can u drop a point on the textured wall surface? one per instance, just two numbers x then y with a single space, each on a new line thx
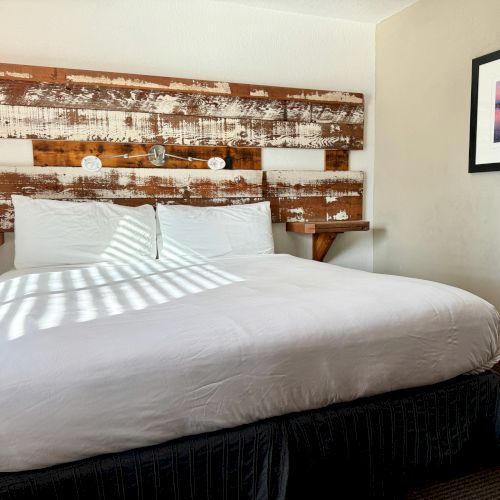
205 40
433 219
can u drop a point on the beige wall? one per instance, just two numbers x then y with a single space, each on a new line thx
434 220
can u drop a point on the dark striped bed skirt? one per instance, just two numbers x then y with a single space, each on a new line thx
371 448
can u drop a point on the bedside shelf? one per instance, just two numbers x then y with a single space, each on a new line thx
324 233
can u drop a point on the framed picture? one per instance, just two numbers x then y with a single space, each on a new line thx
484 146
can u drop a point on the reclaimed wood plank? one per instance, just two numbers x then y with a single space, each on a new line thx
66 184
70 154
336 159
314 227
320 195
292 184
25 122
298 196
315 207
19 93
66 76
64 104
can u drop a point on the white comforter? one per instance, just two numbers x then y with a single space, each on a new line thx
107 358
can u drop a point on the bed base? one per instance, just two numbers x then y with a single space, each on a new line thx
373 447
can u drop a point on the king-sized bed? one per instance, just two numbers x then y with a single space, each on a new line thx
153 346
179 359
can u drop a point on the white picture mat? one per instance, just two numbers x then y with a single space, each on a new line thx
487 151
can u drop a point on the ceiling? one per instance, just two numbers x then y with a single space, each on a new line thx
367 11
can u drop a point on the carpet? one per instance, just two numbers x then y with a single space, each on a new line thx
481 485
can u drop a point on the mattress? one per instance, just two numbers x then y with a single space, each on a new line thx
107 358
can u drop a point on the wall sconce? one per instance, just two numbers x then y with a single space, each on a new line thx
157 155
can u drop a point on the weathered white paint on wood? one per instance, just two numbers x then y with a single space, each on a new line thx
311 177
214 87
328 96
291 184
17 93
26 122
15 74
181 178
61 183
66 76
259 93
117 107
294 196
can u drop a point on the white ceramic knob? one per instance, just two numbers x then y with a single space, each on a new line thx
91 164
216 163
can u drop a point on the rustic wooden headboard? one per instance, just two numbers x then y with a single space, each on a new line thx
294 196
70 113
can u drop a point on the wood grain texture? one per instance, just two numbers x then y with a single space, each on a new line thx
70 154
62 104
65 76
294 196
18 93
336 159
316 227
25 122
321 243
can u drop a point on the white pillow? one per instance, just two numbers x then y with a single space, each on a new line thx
214 231
52 233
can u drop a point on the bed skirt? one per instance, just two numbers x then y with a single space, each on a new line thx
368 448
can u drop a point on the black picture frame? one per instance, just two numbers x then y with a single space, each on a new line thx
476 64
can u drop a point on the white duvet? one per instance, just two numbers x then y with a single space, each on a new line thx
107 358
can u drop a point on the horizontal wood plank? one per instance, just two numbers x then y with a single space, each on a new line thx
70 154
65 76
24 122
19 93
297 196
317 227
65 184
316 207
292 184
322 195
64 104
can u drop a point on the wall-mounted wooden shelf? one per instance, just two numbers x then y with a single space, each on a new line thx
324 233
